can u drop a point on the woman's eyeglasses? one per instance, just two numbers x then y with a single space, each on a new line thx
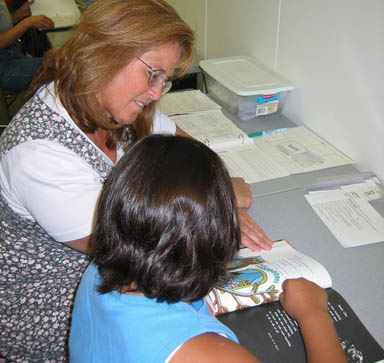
156 77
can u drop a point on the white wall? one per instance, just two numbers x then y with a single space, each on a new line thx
193 13
335 56
332 51
248 37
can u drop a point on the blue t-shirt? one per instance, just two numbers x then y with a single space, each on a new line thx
117 328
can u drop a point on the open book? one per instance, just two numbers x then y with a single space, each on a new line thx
257 277
266 330
270 156
272 336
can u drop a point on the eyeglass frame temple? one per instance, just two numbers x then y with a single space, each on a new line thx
153 72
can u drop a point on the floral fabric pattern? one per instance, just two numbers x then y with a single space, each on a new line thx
39 276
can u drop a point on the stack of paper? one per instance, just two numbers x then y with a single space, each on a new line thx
240 155
185 102
299 150
200 117
345 208
264 156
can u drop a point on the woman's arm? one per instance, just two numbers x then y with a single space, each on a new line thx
81 245
180 132
252 236
52 185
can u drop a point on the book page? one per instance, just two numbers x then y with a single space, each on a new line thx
272 336
249 163
257 278
299 150
213 129
186 102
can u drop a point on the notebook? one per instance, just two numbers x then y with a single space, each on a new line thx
64 13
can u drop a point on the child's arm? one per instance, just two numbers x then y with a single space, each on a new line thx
305 302
308 304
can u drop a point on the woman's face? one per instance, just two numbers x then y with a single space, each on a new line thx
126 95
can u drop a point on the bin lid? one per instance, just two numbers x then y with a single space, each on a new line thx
245 75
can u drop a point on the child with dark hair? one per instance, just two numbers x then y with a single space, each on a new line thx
166 228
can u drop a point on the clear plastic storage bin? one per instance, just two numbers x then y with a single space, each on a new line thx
245 86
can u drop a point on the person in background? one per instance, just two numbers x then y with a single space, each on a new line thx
17 69
166 228
91 100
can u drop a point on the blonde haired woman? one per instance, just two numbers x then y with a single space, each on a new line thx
92 98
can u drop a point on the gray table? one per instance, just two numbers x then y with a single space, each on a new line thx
357 272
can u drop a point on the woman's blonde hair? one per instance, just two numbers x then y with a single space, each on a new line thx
110 34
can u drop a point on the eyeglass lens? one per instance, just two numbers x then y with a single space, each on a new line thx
156 78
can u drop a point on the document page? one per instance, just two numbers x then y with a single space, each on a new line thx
299 150
186 102
274 337
289 263
250 163
237 150
212 128
351 219
345 208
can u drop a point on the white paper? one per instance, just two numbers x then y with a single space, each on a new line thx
261 275
240 155
348 215
64 13
299 150
212 128
251 164
260 158
368 190
186 102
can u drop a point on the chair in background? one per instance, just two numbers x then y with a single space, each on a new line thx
5 115
9 105
33 43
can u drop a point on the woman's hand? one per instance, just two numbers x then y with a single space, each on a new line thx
252 235
242 192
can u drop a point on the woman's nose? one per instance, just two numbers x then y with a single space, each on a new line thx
156 91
